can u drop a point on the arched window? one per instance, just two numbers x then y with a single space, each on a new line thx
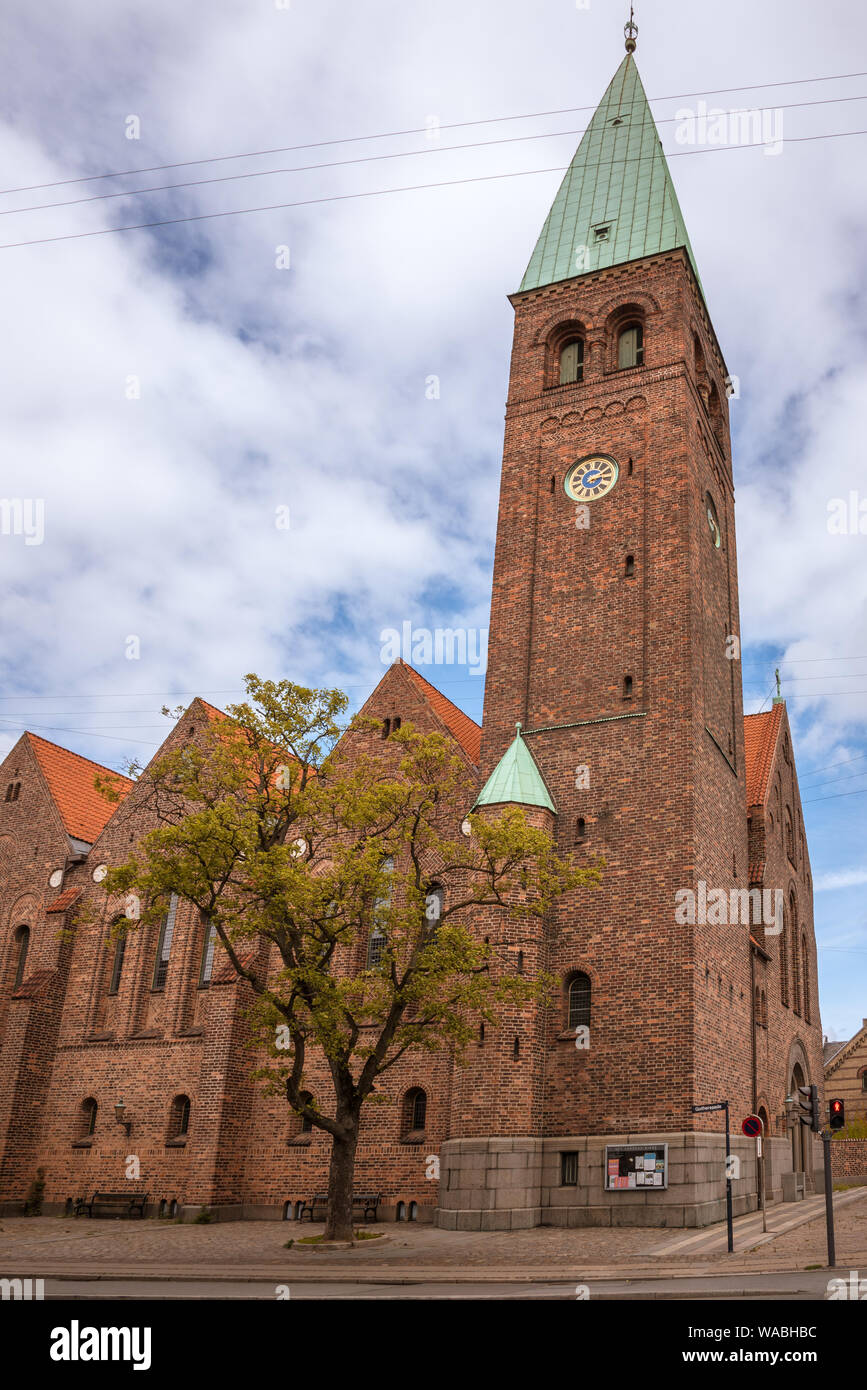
805 977
179 1117
301 1124
764 1010
790 836
377 939
164 945
579 1001
757 1007
580 829
22 943
433 905
87 1117
627 687
795 953
784 960
414 1111
206 968
117 965
572 361
630 346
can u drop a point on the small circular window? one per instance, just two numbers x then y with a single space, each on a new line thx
713 522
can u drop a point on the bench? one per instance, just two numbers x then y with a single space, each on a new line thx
113 1204
365 1202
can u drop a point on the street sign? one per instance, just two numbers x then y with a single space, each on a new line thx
703 1110
752 1126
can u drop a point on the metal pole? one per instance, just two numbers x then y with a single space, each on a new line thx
829 1200
760 1141
729 1184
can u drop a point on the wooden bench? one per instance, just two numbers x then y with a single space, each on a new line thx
365 1202
113 1204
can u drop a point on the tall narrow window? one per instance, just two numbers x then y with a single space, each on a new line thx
572 361
414 1111
164 947
117 965
784 960
805 979
179 1117
206 969
22 943
87 1124
579 1001
627 687
630 565
377 939
630 346
795 954
433 905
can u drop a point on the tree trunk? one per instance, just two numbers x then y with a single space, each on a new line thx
338 1223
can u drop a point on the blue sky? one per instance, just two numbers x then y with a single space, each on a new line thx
261 387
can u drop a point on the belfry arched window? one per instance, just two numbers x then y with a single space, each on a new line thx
630 346
572 361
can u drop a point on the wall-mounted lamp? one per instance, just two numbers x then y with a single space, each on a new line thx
120 1114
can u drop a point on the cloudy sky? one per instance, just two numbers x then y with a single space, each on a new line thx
173 392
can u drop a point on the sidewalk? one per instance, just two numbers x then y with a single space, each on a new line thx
53 1247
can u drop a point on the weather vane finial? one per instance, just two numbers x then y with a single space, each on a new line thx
630 29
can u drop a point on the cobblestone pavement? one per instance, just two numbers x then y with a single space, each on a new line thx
58 1244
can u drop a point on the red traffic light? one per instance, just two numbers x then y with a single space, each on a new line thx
837 1112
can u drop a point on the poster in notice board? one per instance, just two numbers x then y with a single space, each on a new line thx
631 1167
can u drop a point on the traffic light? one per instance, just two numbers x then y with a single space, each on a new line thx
808 1103
837 1112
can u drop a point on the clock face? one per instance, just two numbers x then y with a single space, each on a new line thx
591 477
56 878
713 522
99 873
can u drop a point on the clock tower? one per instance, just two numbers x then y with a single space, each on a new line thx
614 643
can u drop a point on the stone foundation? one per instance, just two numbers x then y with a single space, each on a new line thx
512 1184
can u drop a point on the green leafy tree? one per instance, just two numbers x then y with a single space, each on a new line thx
329 865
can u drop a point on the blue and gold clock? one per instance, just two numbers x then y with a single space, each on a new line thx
591 477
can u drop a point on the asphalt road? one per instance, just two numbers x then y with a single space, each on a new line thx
799 1285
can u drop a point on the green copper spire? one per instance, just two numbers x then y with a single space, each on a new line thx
516 778
617 201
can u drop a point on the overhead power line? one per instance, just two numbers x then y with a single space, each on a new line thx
381 192
343 163
415 130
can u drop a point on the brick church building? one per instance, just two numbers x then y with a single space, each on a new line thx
614 645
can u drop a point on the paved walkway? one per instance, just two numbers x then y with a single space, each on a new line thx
70 1249
747 1230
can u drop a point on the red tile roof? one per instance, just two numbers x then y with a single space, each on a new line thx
760 740
66 899
70 780
466 730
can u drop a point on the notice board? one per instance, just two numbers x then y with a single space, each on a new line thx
635 1166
